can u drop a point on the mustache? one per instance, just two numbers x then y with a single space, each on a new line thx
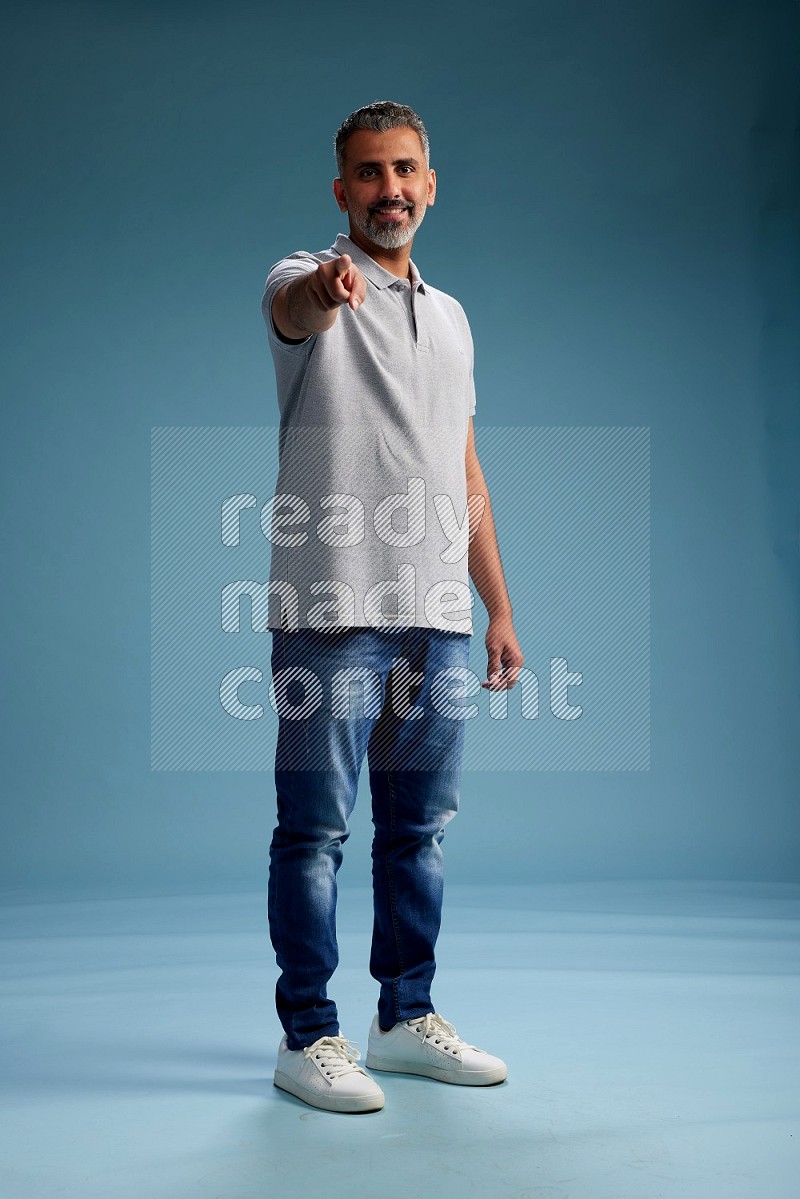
384 207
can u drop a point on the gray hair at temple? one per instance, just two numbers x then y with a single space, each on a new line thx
380 116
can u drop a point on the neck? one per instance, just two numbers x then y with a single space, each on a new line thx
393 261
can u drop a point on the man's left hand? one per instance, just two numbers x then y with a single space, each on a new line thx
504 653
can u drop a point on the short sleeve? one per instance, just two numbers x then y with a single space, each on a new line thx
282 272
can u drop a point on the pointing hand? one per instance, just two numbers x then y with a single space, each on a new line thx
339 282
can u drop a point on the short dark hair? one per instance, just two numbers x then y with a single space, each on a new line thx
380 115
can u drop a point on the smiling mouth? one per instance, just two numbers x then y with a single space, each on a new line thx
390 214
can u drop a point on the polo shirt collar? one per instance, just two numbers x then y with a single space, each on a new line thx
371 269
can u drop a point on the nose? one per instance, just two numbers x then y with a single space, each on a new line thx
390 189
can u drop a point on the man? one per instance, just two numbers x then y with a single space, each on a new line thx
375 388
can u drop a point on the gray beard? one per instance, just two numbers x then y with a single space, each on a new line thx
386 236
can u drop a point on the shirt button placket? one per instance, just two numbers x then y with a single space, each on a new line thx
418 308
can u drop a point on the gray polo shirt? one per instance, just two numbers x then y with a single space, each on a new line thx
368 523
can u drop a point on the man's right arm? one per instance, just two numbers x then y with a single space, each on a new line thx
311 303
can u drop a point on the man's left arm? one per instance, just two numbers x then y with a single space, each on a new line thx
503 650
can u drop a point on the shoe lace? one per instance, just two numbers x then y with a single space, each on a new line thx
335 1055
434 1027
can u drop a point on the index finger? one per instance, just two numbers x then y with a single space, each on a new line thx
352 279
358 289
342 264
345 271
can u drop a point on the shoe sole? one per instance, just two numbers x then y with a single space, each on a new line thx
469 1078
329 1103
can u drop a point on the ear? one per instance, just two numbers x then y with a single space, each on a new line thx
431 188
338 191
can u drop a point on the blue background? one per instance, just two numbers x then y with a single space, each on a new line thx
617 212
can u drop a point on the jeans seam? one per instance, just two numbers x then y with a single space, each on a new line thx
279 898
392 894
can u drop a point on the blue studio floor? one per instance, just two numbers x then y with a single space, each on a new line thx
651 1031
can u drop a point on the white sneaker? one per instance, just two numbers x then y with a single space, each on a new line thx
325 1075
429 1045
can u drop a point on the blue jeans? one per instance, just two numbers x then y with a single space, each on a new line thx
414 754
